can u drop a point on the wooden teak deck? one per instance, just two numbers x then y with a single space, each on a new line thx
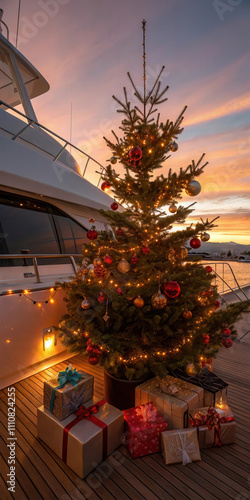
223 473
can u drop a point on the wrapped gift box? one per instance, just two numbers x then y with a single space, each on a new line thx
83 444
180 446
213 431
215 389
77 389
173 407
143 427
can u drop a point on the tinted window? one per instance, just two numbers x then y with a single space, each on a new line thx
71 235
27 224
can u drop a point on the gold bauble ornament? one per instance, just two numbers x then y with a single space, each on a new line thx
158 300
183 252
113 160
97 261
85 304
187 314
171 256
205 237
123 266
91 221
190 370
139 302
172 209
193 188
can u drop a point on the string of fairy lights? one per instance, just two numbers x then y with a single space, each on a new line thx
25 293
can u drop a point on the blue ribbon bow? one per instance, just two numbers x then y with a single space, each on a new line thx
68 375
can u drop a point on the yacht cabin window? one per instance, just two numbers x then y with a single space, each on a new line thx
40 228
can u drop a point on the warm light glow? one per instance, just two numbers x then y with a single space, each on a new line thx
51 301
9 291
39 304
48 342
52 289
26 292
7 341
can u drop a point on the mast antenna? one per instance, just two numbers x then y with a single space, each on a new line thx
18 19
144 64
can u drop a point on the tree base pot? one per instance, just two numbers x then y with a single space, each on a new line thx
119 392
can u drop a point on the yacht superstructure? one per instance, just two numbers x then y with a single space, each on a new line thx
45 207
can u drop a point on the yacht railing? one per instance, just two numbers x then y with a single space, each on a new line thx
58 137
221 279
34 258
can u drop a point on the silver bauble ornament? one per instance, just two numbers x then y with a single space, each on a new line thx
91 268
123 266
113 160
158 300
205 237
193 188
174 146
85 304
190 370
172 209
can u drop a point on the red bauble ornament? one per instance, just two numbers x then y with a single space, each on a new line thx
145 250
105 185
134 259
135 153
108 260
136 163
114 205
119 291
100 271
119 231
206 339
227 343
226 332
216 304
195 243
101 298
92 234
209 361
89 342
96 351
209 269
93 360
171 289
90 349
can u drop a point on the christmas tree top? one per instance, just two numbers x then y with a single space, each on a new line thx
137 304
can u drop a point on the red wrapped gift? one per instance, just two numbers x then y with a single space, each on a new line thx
144 426
213 430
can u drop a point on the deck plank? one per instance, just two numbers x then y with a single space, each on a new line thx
222 474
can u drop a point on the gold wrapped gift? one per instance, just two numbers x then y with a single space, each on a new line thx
173 407
68 397
82 447
180 446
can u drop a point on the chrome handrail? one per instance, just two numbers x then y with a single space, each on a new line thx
34 258
67 143
224 282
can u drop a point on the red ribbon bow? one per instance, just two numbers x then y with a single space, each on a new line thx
83 412
212 420
87 413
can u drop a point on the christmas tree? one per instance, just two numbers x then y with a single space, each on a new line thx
137 304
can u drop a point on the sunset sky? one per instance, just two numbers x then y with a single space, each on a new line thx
85 48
